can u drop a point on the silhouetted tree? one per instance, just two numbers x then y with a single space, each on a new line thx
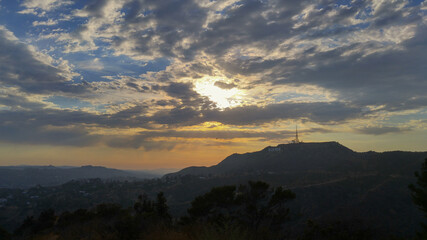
30 226
26 226
254 206
5 235
214 205
143 205
46 220
419 195
353 230
162 208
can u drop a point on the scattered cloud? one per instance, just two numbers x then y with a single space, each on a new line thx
49 22
34 6
31 71
382 130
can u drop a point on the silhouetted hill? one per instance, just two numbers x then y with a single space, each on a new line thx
331 183
301 157
28 176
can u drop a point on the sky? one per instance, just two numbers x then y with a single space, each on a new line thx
145 84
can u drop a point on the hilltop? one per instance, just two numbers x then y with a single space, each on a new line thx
303 157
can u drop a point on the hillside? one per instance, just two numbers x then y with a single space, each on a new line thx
330 180
302 157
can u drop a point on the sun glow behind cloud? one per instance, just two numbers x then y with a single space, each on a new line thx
224 98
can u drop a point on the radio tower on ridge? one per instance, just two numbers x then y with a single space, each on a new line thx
296 140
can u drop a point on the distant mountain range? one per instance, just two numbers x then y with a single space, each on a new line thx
301 157
29 176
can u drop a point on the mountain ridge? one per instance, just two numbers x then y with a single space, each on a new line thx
312 156
29 176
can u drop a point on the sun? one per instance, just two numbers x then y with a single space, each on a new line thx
224 98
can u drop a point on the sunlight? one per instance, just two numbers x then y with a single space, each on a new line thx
223 98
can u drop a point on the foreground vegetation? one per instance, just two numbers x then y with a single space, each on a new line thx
252 211
248 212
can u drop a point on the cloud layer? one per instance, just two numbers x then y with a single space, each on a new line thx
168 70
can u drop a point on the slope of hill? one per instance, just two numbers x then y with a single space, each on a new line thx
28 176
324 156
330 181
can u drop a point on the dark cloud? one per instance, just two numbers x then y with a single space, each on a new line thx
19 102
248 24
201 68
229 134
19 67
66 127
320 112
77 136
225 85
95 7
188 97
28 134
251 65
394 78
72 128
184 116
174 21
183 91
381 130
137 87
138 142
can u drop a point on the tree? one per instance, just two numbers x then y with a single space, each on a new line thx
263 208
143 205
4 234
337 230
255 206
162 208
419 195
153 213
214 205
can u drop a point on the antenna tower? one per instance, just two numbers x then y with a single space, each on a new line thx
296 140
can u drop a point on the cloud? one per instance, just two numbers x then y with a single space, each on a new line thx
138 142
188 98
228 134
49 22
380 130
39 6
60 127
23 67
394 78
319 112
363 51
16 102
224 85
71 136
358 56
